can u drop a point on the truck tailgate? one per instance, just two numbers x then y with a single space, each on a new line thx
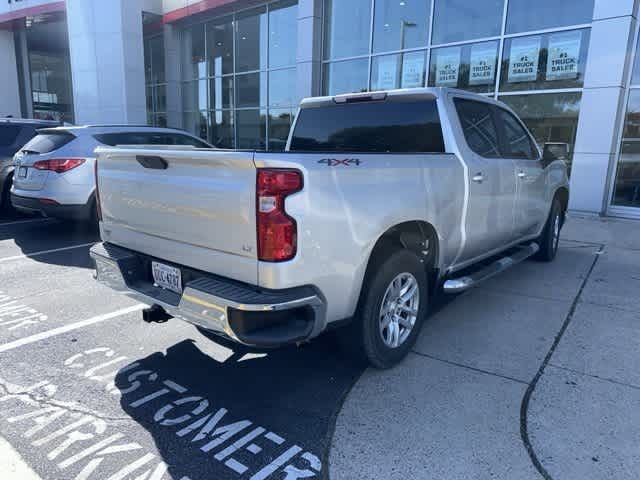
186 206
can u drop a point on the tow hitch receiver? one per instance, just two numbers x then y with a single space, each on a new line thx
155 314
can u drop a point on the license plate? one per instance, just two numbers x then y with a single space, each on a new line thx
167 277
22 172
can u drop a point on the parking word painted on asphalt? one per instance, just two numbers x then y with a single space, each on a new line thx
77 440
16 315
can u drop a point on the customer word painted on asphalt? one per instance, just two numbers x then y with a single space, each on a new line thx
77 439
15 315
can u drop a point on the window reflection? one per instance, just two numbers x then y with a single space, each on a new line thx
220 47
279 126
282 88
251 129
400 24
551 118
193 53
549 61
283 33
627 188
194 95
251 90
459 20
220 93
221 129
398 71
470 67
251 40
347 28
346 77
525 15
196 123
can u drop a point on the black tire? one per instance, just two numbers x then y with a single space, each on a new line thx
550 238
363 338
6 206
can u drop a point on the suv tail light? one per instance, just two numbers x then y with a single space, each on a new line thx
59 165
277 231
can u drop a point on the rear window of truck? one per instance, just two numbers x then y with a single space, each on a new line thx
376 127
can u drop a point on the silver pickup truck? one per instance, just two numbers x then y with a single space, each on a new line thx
380 201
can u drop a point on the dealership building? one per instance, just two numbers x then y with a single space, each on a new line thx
233 71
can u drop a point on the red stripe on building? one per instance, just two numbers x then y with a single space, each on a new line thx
32 11
194 9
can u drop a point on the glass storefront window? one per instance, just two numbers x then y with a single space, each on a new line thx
251 40
398 71
251 90
549 61
194 64
194 95
251 129
635 79
460 20
551 117
470 67
346 77
220 47
279 126
347 28
283 33
526 16
626 191
154 67
221 93
196 123
221 132
400 24
282 88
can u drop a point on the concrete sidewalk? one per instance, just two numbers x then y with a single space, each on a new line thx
534 375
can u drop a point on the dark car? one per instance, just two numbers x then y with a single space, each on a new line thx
14 134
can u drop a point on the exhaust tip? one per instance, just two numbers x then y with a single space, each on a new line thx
155 314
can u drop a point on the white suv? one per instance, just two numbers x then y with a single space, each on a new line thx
54 172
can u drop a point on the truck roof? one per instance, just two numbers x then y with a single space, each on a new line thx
414 93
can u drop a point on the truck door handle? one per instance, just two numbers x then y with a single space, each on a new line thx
522 175
479 178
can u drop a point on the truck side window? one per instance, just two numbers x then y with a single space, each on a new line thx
516 141
370 127
479 127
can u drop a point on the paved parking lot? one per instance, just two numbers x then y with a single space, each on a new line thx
534 375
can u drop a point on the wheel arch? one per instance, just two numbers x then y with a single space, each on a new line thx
417 236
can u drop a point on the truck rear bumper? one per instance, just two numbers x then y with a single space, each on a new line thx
246 314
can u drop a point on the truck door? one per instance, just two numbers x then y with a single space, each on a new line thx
491 179
531 209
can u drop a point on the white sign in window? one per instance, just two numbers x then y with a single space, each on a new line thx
448 67
387 73
524 59
413 70
564 56
482 67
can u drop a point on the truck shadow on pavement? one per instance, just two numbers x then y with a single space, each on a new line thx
260 415
56 238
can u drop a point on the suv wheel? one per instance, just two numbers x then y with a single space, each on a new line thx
392 309
550 238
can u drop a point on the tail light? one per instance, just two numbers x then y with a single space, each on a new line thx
277 231
95 174
59 165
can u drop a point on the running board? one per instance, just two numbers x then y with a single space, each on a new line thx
458 285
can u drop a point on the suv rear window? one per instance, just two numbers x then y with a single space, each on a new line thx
376 126
8 134
149 138
47 142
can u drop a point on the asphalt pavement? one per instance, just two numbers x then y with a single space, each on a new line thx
534 375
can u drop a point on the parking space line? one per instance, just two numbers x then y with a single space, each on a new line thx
45 252
22 222
68 328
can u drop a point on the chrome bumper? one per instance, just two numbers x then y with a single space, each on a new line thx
217 304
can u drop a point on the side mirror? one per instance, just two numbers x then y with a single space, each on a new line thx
555 151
